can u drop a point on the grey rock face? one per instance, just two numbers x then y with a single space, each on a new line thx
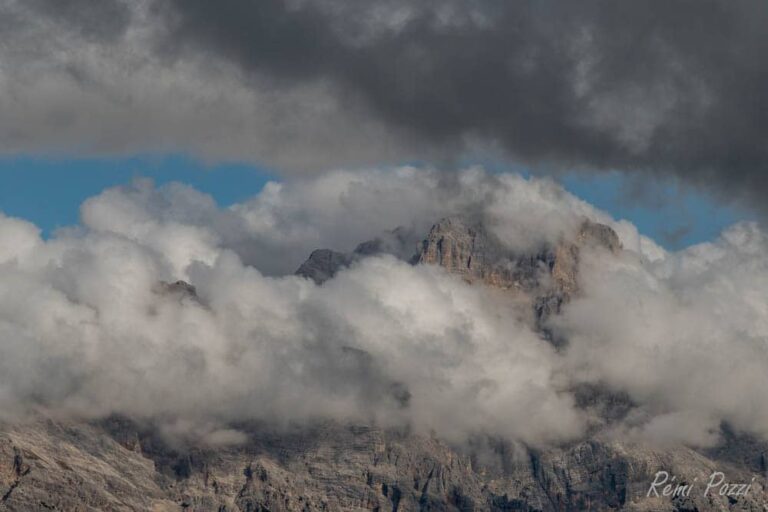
548 277
323 265
329 467
468 250
599 235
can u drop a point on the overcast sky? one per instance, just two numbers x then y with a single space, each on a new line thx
674 87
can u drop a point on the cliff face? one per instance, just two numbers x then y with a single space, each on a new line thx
469 250
548 277
323 264
117 464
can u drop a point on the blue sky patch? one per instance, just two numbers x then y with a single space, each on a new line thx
49 192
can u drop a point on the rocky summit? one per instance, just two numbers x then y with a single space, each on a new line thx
124 464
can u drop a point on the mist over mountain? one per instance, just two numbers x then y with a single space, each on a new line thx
464 306
482 310
89 332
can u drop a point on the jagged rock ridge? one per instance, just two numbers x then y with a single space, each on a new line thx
323 264
117 465
549 275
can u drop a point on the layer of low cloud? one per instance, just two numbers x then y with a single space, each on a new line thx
674 88
86 331
686 335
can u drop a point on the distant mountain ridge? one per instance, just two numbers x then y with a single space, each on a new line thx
548 276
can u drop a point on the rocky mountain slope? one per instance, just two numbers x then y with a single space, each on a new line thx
117 465
120 464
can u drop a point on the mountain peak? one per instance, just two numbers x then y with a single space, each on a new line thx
468 249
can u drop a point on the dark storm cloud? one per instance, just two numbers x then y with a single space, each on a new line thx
677 86
95 19
672 87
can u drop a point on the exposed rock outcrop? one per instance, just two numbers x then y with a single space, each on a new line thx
323 264
329 467
548 276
